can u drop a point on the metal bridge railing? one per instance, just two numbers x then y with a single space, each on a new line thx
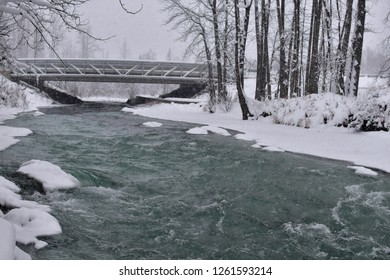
110 70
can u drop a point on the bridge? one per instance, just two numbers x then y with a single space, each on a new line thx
113 71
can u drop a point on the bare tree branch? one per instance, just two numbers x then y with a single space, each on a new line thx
128 11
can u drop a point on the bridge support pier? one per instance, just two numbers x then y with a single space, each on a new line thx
56 94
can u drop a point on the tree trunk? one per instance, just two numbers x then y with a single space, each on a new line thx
283 72
217 43
313 67
266 64
225 48
259 52
294 80
239 62
357 47
342 49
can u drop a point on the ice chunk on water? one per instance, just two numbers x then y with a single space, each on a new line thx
363 170
152 124
51 176
208 128
197 131
273 149
38 113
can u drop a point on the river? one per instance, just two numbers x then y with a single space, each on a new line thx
159 193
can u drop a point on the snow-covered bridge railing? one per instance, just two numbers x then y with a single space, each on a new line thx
113 71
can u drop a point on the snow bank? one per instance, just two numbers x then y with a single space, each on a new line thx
51 176
32 223
13 100
152 124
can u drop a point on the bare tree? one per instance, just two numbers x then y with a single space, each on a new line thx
192 21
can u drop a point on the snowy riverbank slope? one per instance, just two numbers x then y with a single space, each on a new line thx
25 220
322 113
15 99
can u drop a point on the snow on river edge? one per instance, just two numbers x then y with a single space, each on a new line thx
29 220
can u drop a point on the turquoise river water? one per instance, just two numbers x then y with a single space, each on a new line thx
159 193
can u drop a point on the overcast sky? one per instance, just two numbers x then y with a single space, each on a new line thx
146 30
143 31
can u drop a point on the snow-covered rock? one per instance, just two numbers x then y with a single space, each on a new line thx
9 185
10 199
7 240
32 223
51 176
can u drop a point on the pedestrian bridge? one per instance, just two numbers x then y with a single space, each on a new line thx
112 71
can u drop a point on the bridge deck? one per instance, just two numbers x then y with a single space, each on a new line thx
118 71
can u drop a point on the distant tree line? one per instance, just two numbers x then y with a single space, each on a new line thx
303 46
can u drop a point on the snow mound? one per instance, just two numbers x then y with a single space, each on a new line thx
8 134
51 176
152 124
32 223
273 149
208 128
9 185
363 170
